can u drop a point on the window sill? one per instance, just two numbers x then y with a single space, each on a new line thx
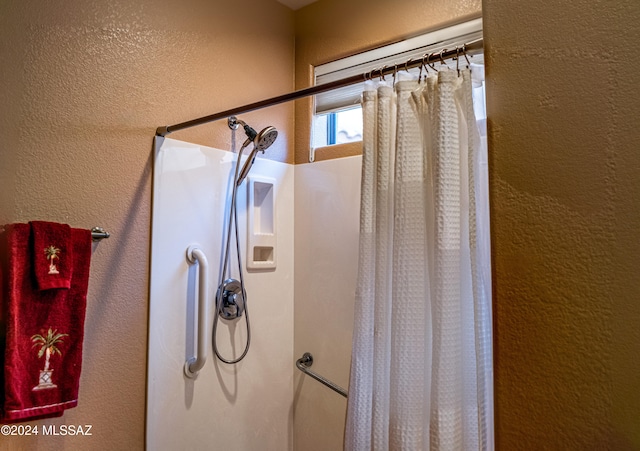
336 151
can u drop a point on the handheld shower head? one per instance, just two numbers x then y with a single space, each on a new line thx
265 138
261 142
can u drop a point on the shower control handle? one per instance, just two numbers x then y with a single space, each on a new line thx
230 299
232 306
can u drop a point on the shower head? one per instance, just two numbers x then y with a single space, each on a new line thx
261 142
265 138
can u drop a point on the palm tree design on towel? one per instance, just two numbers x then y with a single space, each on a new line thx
52 253
47 343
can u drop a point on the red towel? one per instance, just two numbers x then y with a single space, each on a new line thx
43 330
52 254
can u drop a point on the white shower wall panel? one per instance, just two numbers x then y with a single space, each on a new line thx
327 213
243 407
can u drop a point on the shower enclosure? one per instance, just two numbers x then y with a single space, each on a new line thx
262 402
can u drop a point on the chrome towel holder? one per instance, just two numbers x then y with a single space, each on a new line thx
98 233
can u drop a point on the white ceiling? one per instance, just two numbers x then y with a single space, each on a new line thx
296 4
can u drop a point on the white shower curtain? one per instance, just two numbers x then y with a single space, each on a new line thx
421 371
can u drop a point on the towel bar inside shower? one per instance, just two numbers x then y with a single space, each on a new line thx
303 364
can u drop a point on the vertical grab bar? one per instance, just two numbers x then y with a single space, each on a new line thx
194 364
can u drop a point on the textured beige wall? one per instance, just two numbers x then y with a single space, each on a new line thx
84 86
562 93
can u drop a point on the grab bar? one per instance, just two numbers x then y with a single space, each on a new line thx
194 364
303 364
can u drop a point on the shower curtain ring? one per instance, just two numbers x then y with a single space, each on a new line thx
425 65
441 59
432 65
464 52
382 73
369 75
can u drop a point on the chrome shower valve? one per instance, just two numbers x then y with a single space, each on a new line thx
230 300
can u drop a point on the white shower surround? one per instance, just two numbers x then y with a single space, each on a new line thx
234 407
251 405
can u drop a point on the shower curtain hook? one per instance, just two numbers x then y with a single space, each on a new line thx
441 59
395 72
425 57
457 61
464 52
382 73
432 65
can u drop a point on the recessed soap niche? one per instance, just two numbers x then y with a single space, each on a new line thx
261 240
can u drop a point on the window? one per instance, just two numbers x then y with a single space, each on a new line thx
338 117
337 127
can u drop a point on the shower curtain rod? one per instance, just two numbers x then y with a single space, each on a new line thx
468 48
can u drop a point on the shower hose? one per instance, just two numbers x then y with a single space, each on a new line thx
225 271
